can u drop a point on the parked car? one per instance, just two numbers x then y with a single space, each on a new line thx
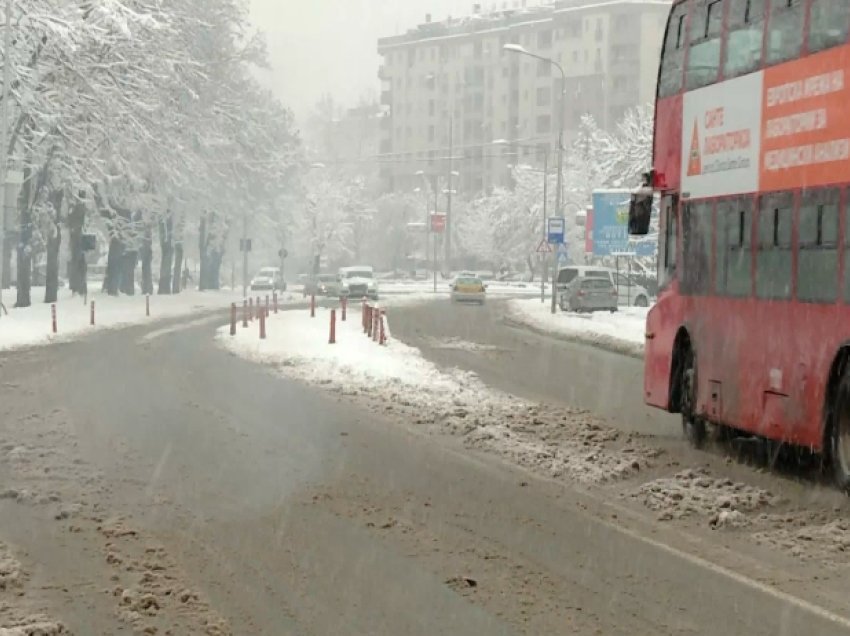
629 292
589 294
269 279
357 281
322 285
468 289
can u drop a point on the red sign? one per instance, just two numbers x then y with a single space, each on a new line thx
438 223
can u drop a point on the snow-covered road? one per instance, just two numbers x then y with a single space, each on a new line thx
622 331
32 325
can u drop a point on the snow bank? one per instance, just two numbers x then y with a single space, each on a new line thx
396 380
31 325
622 332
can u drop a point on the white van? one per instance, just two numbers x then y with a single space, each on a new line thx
629 292
357 282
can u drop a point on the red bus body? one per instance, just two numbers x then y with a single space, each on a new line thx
765 359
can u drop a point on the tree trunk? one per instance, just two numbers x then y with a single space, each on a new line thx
6 249
54 241
166 243
203 256
128 272
77 266
114 265
178 268
147 256
24 281
530 263
214 267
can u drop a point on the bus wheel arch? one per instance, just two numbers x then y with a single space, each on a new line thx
682 347
837 401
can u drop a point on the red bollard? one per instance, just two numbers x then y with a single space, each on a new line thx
232 319
332 338
313 306
147 305
344 302
53 317
259 308
267 305
251 309
244 313
369 320
376 313
274 299
91 314
262 325
363 314
382 338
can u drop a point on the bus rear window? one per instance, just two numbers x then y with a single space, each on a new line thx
828 23
785 30
746 32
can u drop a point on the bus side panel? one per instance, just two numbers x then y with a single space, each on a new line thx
662 324
667 148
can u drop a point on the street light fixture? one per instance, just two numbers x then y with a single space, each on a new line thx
520 50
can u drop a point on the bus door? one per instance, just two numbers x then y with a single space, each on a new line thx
663 320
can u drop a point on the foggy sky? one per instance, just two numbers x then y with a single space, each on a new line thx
329 46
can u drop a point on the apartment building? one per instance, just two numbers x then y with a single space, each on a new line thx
451 84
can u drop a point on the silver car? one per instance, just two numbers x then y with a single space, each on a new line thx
589 294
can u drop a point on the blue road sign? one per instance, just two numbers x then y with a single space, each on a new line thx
556 230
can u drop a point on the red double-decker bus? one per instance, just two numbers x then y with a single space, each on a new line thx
751 161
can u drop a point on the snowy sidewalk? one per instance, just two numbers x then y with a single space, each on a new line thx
622 332
32 325
397 380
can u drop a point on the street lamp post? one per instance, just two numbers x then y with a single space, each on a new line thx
544 257
519 49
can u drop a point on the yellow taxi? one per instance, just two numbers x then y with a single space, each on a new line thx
468 289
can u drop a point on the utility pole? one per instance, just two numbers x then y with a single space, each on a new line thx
244 255
559 211
4 140
449 203
544 258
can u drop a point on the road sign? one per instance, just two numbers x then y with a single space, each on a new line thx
244 245
563 256
543 247
283 253
438 223
556 229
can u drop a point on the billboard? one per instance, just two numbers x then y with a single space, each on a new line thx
780 128
610 226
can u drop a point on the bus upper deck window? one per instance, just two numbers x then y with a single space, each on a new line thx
745 34
828 24
673 55
785 30
704 54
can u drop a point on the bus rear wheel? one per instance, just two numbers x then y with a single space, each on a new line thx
839 443
692 425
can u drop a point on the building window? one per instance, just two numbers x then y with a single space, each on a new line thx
696 247
432 107
732 269
673 55
543 124
745 35
544 96
828 23
773 252
544 39
431 133
817 262
575 57
573 28
704 55
785 30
